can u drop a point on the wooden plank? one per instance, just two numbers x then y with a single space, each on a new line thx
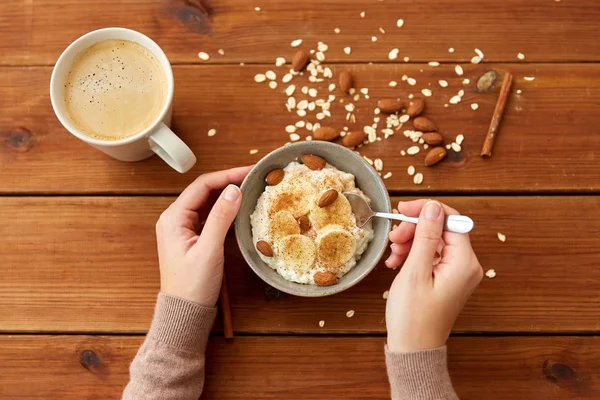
88 264
542 29
548 141
495 368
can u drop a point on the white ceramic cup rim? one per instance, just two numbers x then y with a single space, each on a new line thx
115 33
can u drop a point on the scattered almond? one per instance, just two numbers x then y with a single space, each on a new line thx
433 138
300 60
274 177
304 223
265 248
415 108
313 162
434 156
325 279
354 138
326 133
328 198
423 124
346 81
390 106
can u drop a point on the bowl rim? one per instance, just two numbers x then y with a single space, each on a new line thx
332 289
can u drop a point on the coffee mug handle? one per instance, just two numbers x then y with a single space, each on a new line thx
171 149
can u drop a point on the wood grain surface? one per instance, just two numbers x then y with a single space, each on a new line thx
88 264
548 140
84 367
544 30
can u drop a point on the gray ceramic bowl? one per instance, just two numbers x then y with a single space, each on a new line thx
343 159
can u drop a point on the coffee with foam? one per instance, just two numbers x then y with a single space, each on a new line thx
115 89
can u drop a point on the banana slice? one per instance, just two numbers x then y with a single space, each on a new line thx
297 251
283 224
337 213
335 247
295 196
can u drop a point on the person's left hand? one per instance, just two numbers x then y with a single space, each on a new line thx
191 265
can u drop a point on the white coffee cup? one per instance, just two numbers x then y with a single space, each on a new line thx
156 138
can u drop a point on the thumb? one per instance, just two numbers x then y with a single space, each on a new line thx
427 237
220 218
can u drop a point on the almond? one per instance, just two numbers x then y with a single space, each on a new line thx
265 248
313 162
353 139
325 278
326 133
434 156
390 106
346 81
432 138
328 198
300 60
304 223
415 108
423 124
274 177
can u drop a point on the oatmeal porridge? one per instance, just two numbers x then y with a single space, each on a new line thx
303 225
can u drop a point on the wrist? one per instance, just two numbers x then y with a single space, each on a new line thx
400 344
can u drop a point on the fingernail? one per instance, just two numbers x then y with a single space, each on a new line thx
432 210
232 193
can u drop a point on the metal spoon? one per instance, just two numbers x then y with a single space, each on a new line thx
363 213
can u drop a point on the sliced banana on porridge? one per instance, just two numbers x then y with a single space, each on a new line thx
297 251
335 247
294 196
283 224
337 213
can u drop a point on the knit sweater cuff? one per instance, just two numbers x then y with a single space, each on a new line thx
419 375
181 323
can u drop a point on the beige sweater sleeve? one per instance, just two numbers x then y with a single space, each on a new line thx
420 375
170 362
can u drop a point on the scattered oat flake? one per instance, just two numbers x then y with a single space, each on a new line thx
221 52
387 175
459 70
466 81
286 78
443 83
347 50
413 150
451 50
386 294
373 38
474 106
260 78
400 23
461 92
490 273
382 30
378 164
519 91
393 84
290 90
321 323
418 179
529 78
434 64
475 60
454 100
456 147
406 59
350 313
290 129
296 43
256 8
393 54
412 81
402 152
337 30
521 56
426 92
271 75
253 151
203 56
294 137
279 61
404 118
501 237
479 53
273 85
460 138
212 132
362 14
411 170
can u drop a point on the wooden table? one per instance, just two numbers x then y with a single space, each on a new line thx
77 246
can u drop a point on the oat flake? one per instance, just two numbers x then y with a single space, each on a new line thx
490 273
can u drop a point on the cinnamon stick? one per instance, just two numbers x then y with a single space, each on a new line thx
226 309
488 144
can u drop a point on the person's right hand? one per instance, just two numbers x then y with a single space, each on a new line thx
429 292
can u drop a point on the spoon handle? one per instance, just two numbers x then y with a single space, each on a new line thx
454 223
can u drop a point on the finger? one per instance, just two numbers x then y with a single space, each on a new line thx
219 219
427 237
394 261
458 240
413 208
403 233
401 249
198 192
